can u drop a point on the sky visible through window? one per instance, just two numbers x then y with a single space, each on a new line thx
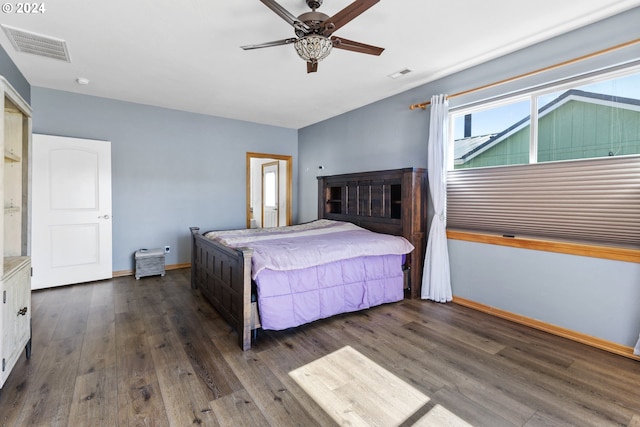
496 120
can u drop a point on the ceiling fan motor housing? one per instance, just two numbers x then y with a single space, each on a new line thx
313 20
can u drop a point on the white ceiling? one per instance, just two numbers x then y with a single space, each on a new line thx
186 55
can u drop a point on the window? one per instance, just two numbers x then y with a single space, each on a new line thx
479 135
560 163
270 189
598 118
595 120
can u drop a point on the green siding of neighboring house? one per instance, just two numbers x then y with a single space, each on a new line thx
575 130
514 150
581 130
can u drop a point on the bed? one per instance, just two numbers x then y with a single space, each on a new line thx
232 267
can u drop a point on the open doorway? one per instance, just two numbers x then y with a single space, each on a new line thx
269 188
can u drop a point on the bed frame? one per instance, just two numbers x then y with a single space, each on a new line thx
390 201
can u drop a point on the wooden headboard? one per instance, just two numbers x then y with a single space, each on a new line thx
389 201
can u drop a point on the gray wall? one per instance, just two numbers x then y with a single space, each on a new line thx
170 169
10 72
591 296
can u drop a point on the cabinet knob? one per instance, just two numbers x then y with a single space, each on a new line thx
22 311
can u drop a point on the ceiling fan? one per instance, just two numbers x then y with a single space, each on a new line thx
314 31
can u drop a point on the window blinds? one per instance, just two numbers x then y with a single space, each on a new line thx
594 200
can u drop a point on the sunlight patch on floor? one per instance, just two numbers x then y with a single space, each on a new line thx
356 391
440 416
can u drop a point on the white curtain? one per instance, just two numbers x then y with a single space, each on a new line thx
636 350
436 279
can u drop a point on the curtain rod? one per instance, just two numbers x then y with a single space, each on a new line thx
424 105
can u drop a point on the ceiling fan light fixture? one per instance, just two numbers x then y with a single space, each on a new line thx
313 48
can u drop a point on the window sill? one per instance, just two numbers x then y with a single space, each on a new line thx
580 249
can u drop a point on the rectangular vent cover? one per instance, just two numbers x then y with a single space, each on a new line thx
400 73
37 44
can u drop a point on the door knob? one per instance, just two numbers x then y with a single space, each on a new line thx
103 217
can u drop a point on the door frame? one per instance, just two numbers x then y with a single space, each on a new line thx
289 183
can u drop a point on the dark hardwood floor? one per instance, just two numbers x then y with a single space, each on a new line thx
152 352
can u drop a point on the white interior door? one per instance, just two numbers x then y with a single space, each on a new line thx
71 230
270 194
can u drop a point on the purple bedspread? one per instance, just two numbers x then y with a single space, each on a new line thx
292 298
315 270
311 244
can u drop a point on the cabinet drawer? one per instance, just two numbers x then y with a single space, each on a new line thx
16 315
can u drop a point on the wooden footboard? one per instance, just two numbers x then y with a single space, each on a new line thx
223 275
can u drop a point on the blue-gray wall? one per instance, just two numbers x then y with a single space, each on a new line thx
592 296
10 72
589 295
170 169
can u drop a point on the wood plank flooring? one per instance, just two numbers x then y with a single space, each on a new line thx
152 352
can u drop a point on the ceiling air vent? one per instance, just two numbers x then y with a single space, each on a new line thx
37 44
400 73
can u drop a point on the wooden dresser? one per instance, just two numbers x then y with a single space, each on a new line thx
388 201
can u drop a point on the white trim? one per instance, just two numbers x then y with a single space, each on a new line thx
533 131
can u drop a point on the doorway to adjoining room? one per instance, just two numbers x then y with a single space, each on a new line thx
269 189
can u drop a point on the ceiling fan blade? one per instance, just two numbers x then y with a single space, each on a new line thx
340 43
286 15
269 44
347 14
312 67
